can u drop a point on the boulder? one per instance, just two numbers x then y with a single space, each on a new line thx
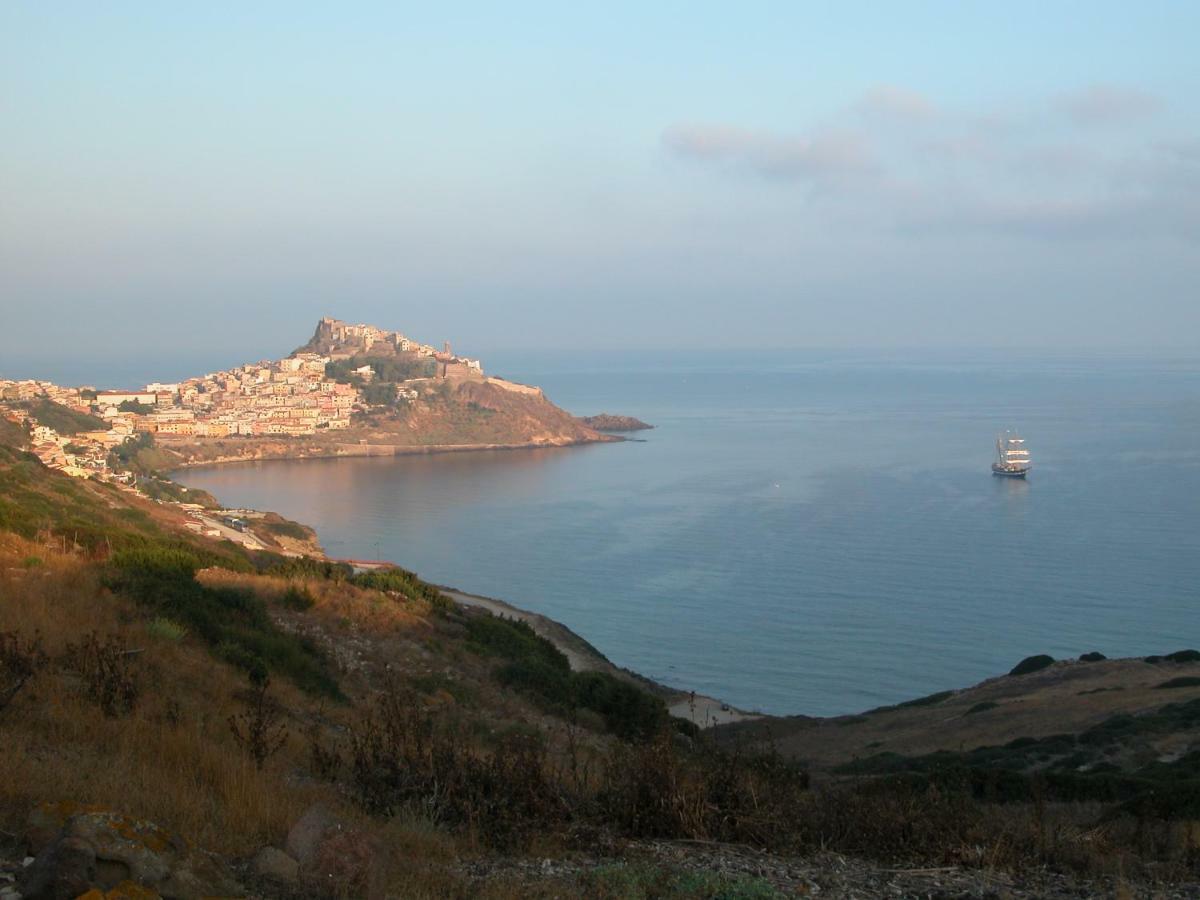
347 863
335 858
306 834
46 820
119 856
64 869
275 865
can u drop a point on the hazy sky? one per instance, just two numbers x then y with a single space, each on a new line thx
218 175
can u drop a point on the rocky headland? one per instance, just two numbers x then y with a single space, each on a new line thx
610 422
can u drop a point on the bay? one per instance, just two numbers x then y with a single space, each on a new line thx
806 533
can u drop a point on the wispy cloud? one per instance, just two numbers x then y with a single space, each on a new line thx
821 157
1006 169
1107 104
891 102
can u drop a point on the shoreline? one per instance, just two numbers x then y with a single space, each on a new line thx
701 710
361 451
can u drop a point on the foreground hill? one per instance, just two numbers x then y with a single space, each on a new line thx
185 717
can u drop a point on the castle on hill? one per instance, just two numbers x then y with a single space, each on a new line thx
341 340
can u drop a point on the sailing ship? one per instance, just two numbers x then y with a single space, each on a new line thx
1014 461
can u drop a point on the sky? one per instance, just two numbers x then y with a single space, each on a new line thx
195 182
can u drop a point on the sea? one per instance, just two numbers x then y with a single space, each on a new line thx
813 533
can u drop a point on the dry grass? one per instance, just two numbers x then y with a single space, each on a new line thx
172 759
369 610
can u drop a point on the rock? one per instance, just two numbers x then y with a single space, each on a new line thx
65 868
122 857
46 820
126 890
348 862
275 865
306 834
334 858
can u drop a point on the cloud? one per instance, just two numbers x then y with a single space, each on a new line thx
896 103
825 156
1105 104
987 169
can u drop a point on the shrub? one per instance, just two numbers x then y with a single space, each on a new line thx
1183 656
629 712
930 700
1181 682
167 629
657 790
540 670
259 729
401 760
1032 664
297 598
20 660
981 707
301 567
108 673
232 621
401 581
287 529
1094 656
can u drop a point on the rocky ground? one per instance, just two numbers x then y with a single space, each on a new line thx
824 875
127 863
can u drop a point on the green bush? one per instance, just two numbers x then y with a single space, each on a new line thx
167 629
1184 656
61 418
539 670
1181 682
404 582
287 529
514 640
297 598
1093 657
268 563
981 707
233 621
1032 664
930 700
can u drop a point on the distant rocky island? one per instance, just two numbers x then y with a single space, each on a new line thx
610 422
351 390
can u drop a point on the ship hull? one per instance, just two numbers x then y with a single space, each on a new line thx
1002 472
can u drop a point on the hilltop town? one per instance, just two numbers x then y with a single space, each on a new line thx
353 389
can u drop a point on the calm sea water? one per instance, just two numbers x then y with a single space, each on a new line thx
808 533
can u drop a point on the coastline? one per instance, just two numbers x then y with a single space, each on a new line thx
701 710
282 452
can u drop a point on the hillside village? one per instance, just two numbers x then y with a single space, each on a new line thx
304 394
